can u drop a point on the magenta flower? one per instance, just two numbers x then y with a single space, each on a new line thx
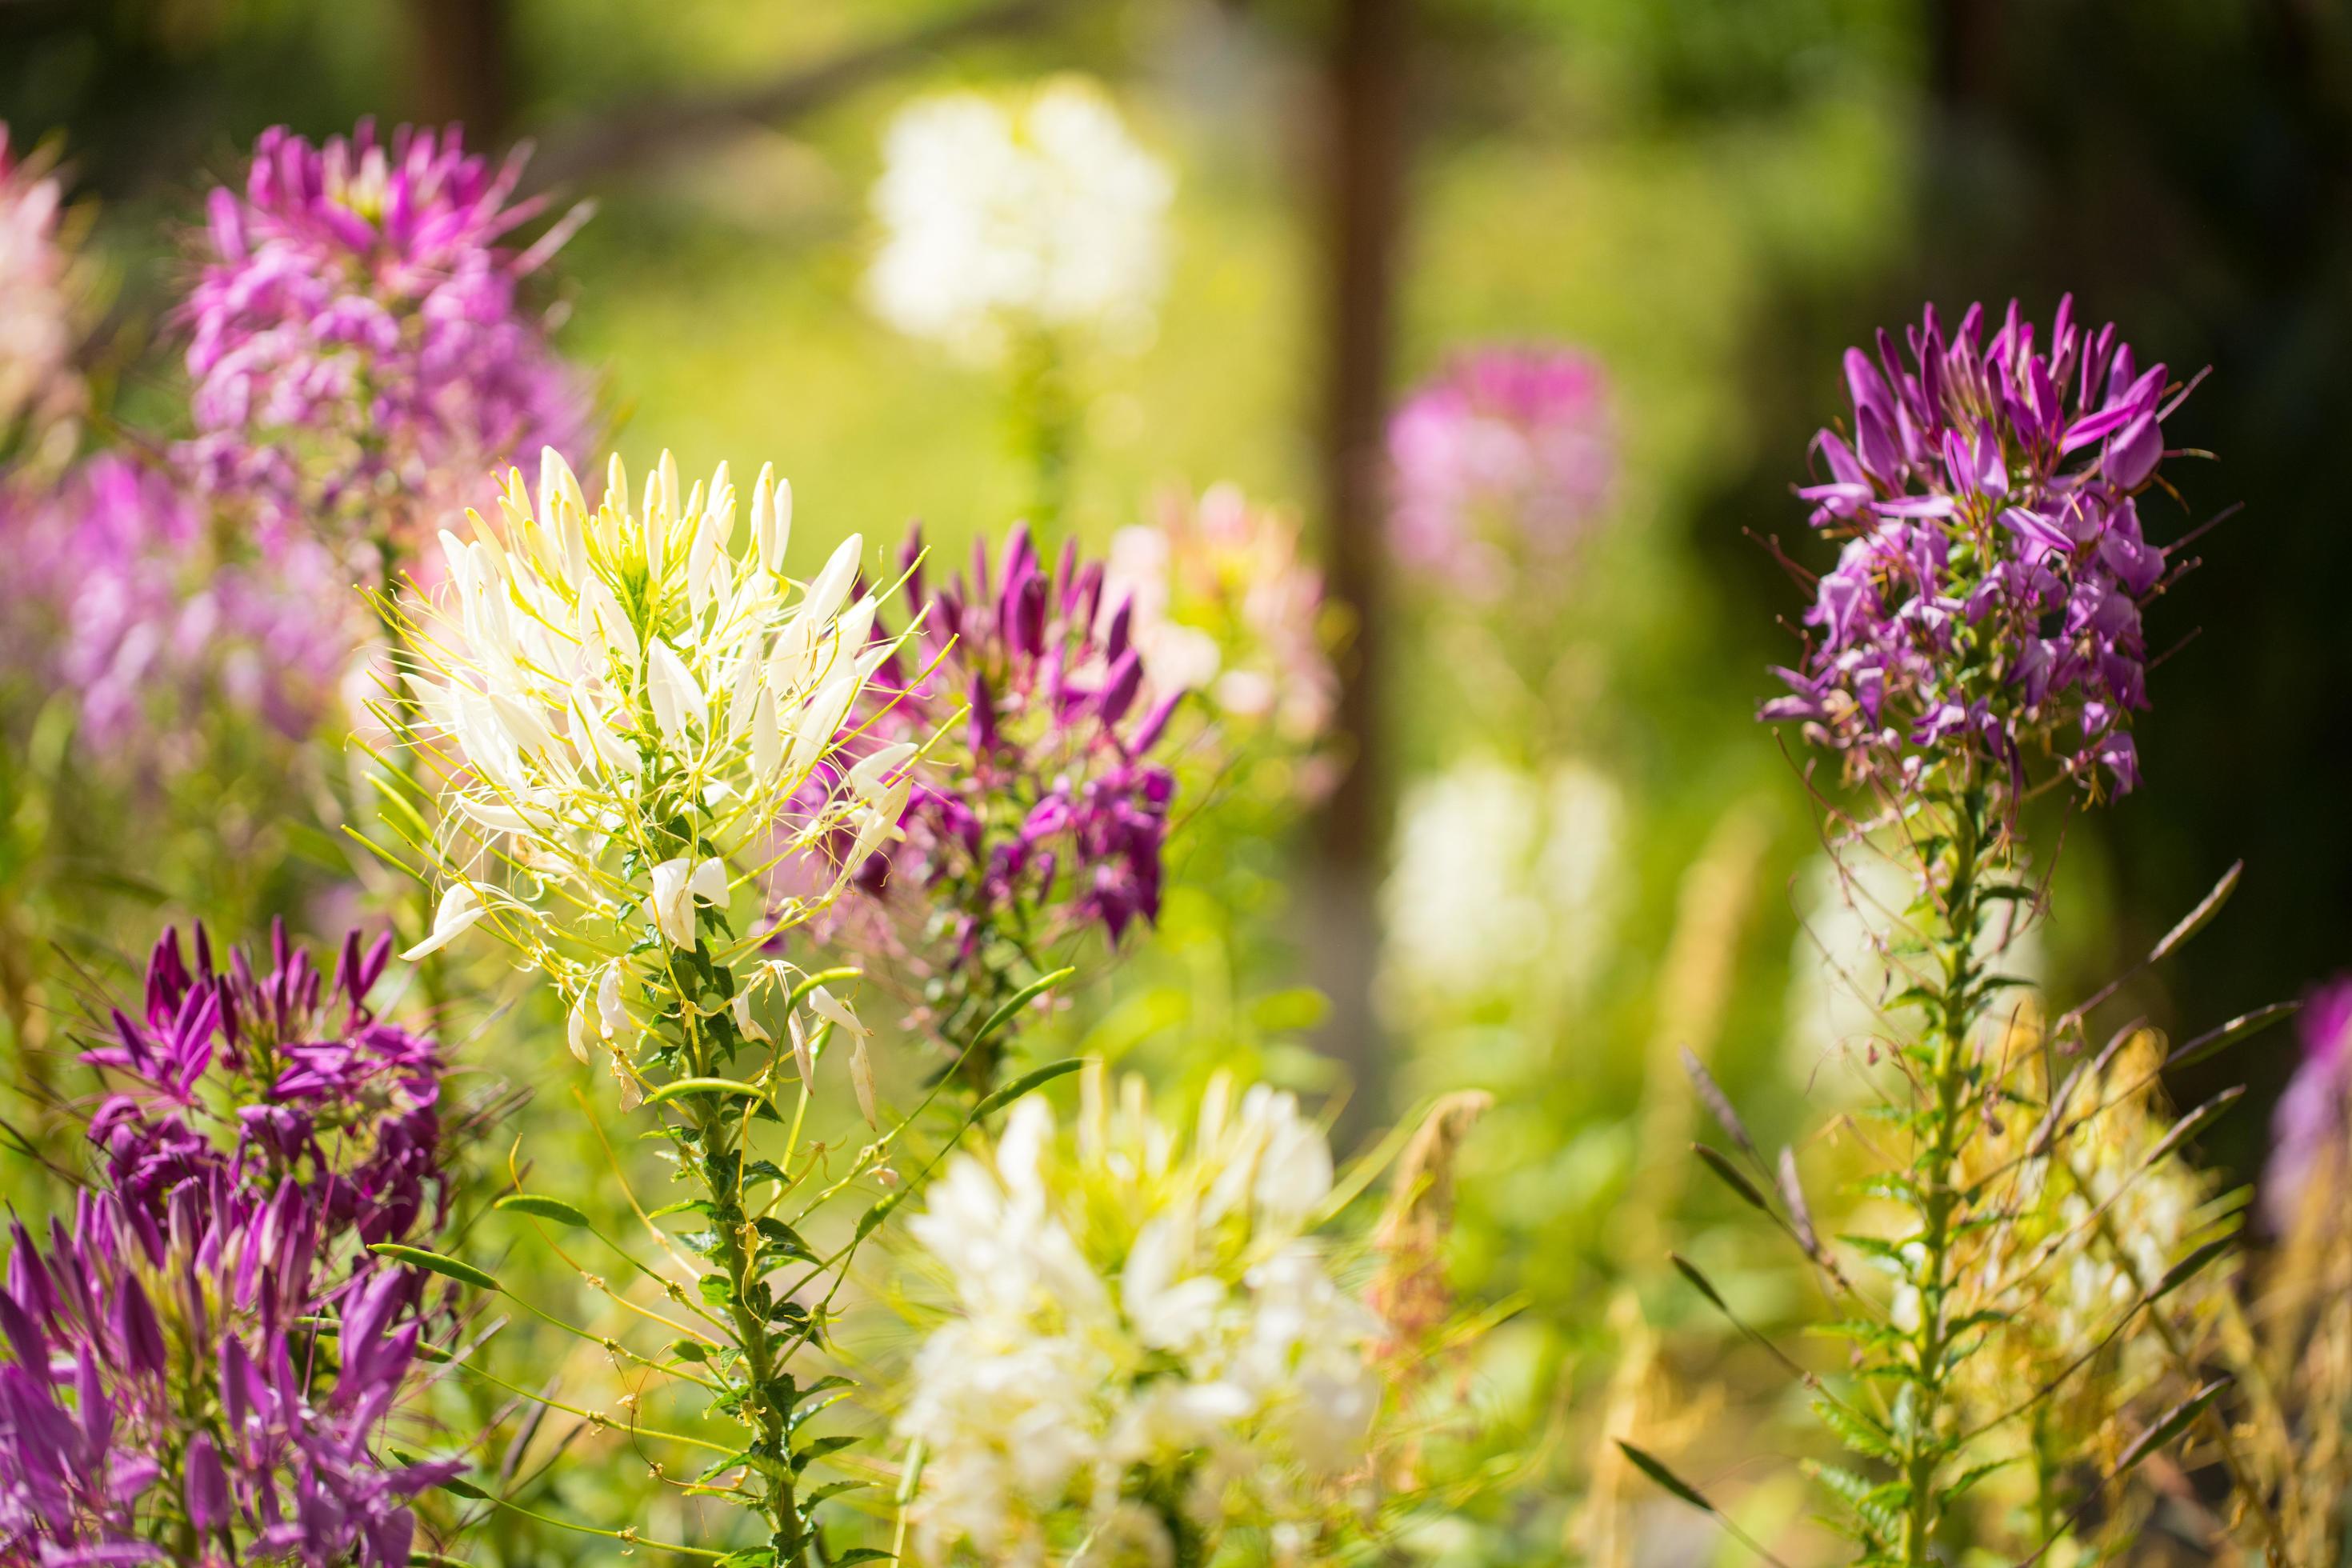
120 596
274 1126
356 333
1505 461
1987 601
1045 815
2307 1126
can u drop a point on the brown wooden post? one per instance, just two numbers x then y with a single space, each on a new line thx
465 67
1366 156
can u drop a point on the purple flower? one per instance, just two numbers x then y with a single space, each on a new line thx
2308 1127
356 335
1043 813
1505 460
120 597
1986 598
209 1339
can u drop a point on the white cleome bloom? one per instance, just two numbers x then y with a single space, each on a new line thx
1001 221
627 706
1136 1318
1505 881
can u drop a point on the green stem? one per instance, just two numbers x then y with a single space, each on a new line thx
1952 942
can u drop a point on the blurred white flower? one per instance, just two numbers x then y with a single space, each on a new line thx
1504 880
38 382
1004 220
1135 1319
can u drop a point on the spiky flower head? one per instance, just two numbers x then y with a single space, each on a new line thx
1007 220
39 389
632 706
1146 1348
204 1366
1046 812
1985 604
1501 464
360 348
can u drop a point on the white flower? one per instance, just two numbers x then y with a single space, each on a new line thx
1002 220
1131 1309
678 883
460 907
1505 881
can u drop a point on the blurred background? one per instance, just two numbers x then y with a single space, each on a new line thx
1712 198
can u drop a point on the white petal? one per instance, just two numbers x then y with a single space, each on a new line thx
803 1057
575 1028
460 908
831 586
610 1015
861 1079
834 1010
671 905
676 696
867 778
708 882
745 1024
767 746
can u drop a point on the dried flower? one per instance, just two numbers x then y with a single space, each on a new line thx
1501 464
357 341
1003 221
1145 1347
1986 599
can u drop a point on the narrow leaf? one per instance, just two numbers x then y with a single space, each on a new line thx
1019 999
2199 918
1731 1175
1663 1477
2175 1422
719 1086
1026 1083
1719 1104
434 1262
2216 1040
542 1207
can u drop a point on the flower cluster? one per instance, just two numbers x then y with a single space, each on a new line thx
123 599
1226 603
202 1366
1051 816
1986 599
1502 882
39 388
2311 1129
1006 222
632 710
1502 463
1146 1350
358 346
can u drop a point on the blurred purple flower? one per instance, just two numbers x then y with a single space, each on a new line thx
275 1127
118 597
1504 460
2308 1126
357 340
1987 601
40 391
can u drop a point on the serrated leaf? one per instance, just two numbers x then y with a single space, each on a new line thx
435 1263
540 1206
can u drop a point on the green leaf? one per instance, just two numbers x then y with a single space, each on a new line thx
2188 1268
541 1207
818 1447
689 1350
1026 1083
718 1291
2214 1041
1019 999
459 1486
2173 1423
865 1554
434 1262
2199 918
723 1087
1715 1160
1855 1431
1663 1477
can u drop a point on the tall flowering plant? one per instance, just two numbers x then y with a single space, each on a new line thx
204 1365
1044 815
644 726
359 347
40 389
1147 1351
2036 1221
